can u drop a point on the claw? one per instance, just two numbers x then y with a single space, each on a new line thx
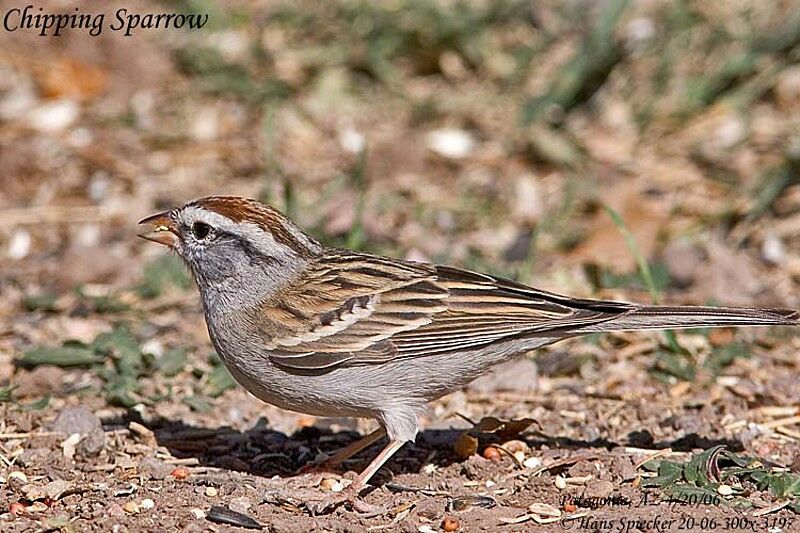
332 501
347 495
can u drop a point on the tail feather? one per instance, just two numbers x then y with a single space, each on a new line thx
666 317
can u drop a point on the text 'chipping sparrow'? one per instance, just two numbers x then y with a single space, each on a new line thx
332 332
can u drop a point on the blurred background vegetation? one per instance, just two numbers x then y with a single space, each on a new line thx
637 149
632 149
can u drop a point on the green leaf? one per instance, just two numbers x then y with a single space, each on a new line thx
172 362
40 302
652 465
166 272
109 304
696 471
123 347
784 485
668 474
64 356
738 459
219 380
198 403
672 364
6 393
761 477
37 405
120 389
723 356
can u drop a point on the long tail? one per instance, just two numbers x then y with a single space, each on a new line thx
666 317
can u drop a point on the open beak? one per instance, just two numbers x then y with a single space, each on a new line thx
161 229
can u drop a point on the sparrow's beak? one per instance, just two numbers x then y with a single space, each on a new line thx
161 229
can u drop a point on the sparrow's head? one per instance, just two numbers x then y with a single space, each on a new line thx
228 240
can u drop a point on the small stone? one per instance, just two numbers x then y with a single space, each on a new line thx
18 101
532 462
429 508
56 488
154 347
515 446
544 509
232 44
240 504
130 507
197 513
328 484
115 510
450 524
180 472
33 492
491 453
16 474
527 203
205 126
598 488
152 468
81 421
772 250
146 434
37 507
147 503
451 143
561 483
53 116
725 490
19 245
211 492
351 140
70 444
682 260
638 33
729 132
787 87
425 528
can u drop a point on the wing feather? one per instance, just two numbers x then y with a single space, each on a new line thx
369 310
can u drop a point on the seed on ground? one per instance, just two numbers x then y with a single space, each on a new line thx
450 524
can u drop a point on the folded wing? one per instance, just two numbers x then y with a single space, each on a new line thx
369 310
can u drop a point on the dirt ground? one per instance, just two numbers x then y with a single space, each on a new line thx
624 150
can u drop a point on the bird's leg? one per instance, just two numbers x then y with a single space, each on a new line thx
345 453
350 493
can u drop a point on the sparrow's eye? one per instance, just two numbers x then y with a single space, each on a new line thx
200 230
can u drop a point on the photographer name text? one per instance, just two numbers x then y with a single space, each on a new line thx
30 18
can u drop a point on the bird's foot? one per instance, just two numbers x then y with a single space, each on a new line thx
333 500
347 495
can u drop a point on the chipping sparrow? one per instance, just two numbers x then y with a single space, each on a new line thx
332 332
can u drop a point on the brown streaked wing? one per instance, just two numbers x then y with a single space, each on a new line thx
483 309
417 310
358 302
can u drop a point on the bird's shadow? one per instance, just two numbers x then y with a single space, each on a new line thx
264 452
